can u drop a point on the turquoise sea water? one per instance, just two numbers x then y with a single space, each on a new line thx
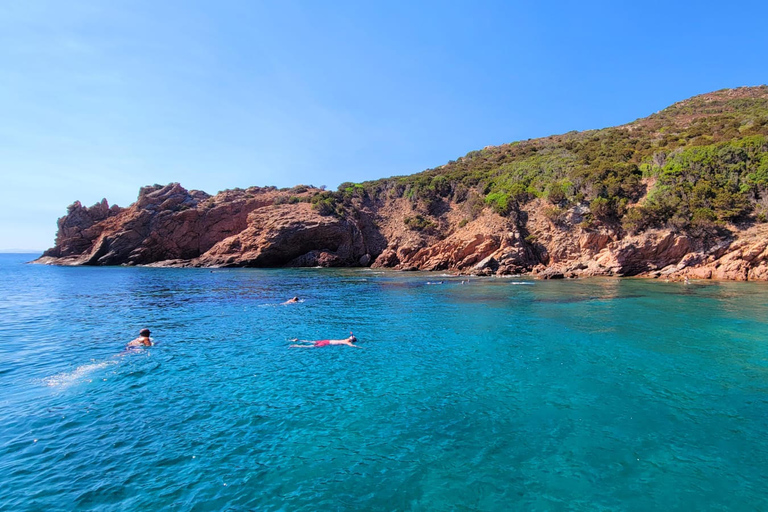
500 394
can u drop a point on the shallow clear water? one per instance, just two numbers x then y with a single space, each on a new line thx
499 394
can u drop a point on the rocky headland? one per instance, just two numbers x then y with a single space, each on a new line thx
681 193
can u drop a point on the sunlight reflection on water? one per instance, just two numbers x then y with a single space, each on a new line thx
604 393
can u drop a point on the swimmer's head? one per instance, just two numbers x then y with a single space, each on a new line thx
352 338
144 332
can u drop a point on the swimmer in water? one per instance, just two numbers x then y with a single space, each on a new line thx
142 341
292 301
324 343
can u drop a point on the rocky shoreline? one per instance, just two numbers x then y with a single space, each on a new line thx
169 226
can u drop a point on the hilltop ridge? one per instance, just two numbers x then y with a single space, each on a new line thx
681 192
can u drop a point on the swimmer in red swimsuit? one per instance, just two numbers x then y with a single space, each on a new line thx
324 343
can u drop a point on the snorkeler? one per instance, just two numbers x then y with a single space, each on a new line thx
292 301
142 341
324 343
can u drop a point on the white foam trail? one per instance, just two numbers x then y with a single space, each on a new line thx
66 379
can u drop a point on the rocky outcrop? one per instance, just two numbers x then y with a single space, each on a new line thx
79 227
266 227
642 254
743 259
170 226
164 223
290 235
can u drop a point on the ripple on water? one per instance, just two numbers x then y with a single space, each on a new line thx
578 394
78 375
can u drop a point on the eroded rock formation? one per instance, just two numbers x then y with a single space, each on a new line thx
265 227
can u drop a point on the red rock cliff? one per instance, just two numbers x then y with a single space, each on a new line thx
264 227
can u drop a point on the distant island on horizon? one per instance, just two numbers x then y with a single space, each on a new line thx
682 193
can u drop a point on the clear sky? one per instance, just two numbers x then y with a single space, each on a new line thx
100 98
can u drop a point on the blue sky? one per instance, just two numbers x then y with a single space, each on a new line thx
100 98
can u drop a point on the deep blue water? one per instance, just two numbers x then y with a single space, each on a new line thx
500 394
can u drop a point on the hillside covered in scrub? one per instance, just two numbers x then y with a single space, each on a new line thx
700 163
681 192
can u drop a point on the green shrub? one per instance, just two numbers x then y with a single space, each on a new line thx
460 192
418 223
441 186
326 203
588 222
601 207
474 205
636 220
352 191
499 203
519 192
555 193
554 214
703 217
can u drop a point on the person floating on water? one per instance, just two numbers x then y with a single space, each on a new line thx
142 341
324 343
292 301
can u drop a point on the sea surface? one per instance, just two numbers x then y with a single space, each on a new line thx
496 394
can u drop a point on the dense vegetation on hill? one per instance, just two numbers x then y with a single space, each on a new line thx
694 166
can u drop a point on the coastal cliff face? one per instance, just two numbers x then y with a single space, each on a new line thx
624 201
258 227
